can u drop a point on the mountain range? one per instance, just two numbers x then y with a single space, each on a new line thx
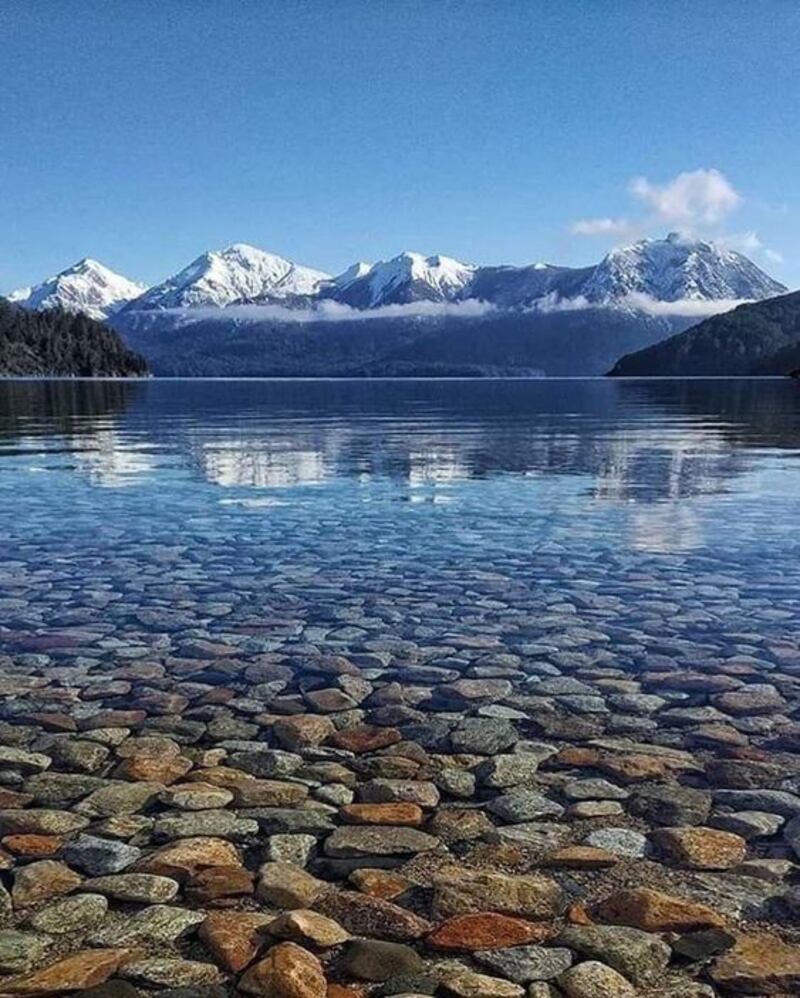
673 270
244 311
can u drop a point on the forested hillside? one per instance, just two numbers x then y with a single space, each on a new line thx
62 344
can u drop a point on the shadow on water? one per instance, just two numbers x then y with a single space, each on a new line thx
68 407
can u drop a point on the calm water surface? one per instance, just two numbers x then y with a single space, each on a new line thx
339 512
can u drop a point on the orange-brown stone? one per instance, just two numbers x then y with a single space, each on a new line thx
486 930
382 814
183 858
234 938
633 768
33 846
44 879
84 969
580 858
379 883
287 971
155 769
303 731
12 799
699 848
220 776
758 964
655 911
364 738
220 882
578 915
574 755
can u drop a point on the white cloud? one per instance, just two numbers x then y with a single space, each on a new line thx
600 227
693 198
331 311
696 203
751 244
690 307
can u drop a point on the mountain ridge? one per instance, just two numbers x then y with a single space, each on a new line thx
670 270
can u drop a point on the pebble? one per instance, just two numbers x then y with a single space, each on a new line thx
530 776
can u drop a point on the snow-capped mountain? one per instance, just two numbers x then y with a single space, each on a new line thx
670 270
406 278
87 286
666 270
677 269
239 272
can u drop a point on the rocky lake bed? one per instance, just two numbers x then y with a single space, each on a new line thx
453 731
529 806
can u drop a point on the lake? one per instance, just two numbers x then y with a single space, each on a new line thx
417 655
409 510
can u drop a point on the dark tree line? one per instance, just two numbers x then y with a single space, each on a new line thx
62 344
760 338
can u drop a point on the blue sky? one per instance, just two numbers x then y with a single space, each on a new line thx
142 133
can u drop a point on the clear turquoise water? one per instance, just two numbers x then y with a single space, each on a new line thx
312 506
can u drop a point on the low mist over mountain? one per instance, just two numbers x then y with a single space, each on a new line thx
759 338
243 310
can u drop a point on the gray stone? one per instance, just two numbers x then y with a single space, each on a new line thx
74 914
749 824
169 972
97 856
377 960
637 955
518 806
619 841
145 888
594 789
159 923
20 951
509 770
672 805
378 840
524 964
774 801
484 736
216 824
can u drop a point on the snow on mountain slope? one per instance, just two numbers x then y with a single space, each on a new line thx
238 272
677 269
353 273
86 286
406 278
633 278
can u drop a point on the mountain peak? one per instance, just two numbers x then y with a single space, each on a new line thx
239 271
87 286
676 268
407 277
